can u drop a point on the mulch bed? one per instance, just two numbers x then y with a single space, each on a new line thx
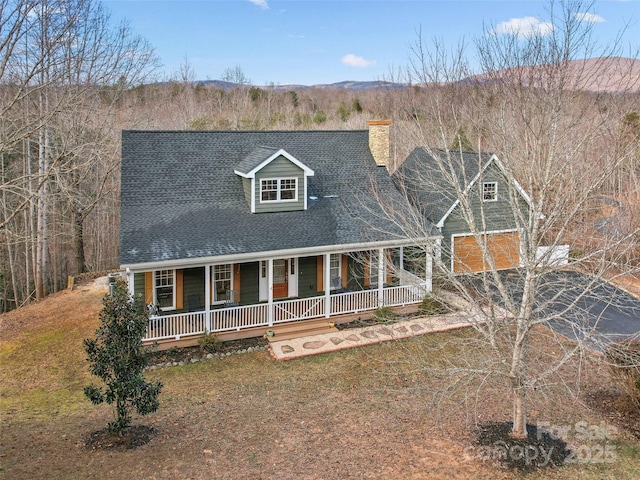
184 354
132 437
540 449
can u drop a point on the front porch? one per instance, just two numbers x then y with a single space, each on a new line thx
245 298
230 319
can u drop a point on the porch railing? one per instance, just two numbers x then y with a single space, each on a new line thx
241 317
299 309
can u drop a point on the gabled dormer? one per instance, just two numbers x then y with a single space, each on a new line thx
274 180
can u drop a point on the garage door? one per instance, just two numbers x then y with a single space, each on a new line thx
503 247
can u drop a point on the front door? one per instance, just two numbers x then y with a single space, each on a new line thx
280 279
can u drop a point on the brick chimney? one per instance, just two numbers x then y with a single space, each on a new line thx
379 141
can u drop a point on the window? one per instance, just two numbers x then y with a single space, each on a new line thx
278 190
164 291
335 262
222 282
490 191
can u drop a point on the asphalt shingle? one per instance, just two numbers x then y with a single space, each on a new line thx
180 197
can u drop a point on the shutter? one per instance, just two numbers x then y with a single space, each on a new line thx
320 273
236 280
367 260
344 270
148 287
179 289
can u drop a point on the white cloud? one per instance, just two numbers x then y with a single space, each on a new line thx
260 3
524 27
589 17
356 61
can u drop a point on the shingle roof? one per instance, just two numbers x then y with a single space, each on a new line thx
255 158
429 179
180 198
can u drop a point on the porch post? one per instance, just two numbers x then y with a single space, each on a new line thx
270 290
327 285
207 297
401 258
130 283
429 269
381 277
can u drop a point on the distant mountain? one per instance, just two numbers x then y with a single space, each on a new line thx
346 85
612 75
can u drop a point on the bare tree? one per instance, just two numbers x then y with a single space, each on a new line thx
557 147
65 67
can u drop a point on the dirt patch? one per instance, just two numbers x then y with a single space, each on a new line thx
609 402
131 437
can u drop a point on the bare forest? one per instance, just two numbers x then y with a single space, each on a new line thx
70 82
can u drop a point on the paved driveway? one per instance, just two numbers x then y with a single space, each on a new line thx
612 312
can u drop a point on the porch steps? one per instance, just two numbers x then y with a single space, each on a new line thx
303 328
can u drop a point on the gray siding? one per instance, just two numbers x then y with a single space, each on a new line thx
280 168
193 288
246 185
249 283
307 277
499 214
355 274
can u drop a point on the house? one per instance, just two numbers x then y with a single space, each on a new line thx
237 231
477 207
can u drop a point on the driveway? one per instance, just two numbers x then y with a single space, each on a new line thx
583 304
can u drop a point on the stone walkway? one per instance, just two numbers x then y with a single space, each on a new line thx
358 337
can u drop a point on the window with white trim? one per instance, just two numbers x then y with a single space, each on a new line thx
164 291
278 190
222 281
335 264
489 191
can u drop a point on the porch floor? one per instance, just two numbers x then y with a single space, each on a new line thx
287 349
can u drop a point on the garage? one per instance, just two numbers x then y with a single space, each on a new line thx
503 247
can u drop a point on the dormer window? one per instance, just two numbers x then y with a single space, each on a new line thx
278 190
274 180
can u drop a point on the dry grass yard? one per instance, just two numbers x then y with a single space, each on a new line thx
335 416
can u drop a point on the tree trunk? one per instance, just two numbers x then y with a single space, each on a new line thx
519 410
78 235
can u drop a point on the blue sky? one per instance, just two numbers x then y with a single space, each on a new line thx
313 42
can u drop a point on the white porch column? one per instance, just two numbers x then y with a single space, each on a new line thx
270 290
429 270
401 258
207 297
327 284
130 283
381 277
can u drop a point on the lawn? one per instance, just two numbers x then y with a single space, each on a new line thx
334 416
